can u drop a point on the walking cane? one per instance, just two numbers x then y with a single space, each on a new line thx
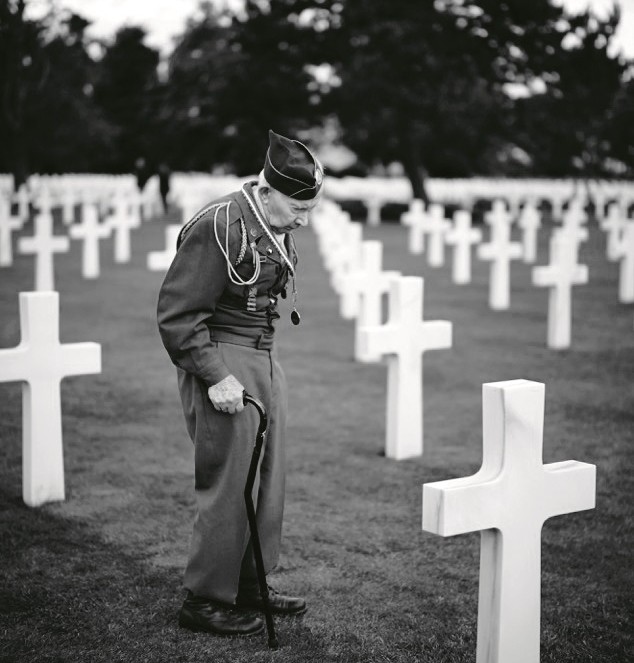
253 525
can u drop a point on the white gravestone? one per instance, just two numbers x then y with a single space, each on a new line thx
625 253
22 198
44 244
374 205
613 224
40 362
68 200
121 222
160 261
369 285
8 224
404 339
462 236
91 232
508 500
500 251
437 226
529 222
416 220
562 273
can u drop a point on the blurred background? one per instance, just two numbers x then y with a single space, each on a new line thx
443 88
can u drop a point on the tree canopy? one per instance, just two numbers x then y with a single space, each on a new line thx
446 88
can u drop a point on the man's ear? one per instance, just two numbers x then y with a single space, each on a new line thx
264 192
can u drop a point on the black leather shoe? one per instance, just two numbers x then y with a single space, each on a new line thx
198 614
280 605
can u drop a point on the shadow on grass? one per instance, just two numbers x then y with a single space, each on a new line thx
69 596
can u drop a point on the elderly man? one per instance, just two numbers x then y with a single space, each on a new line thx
216 313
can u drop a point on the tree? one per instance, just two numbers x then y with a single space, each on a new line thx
430 84
126 79
233 77
23 70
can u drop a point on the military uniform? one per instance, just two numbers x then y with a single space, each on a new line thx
216 311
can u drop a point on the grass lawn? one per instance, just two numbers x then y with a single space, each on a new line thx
98 577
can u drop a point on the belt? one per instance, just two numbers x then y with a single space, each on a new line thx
261 342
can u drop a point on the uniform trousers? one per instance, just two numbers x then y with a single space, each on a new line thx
221 557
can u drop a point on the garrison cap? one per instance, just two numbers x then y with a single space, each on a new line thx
291 168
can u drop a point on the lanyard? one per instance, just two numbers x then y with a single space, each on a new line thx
295 317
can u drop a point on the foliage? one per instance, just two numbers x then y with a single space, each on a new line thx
447 88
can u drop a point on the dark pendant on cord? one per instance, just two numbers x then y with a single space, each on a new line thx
295 319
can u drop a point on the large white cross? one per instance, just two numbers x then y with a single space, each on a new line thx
625 253
44 244
462 236
562 273
437 226
8 224
91 232
404 339
40 362
500 251
529 221
508 500
160 261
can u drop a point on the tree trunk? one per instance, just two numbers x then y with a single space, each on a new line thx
413 164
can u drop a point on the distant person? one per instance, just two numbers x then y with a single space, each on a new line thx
216 313
164 174
142 173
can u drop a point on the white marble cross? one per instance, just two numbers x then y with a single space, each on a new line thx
8 224
68 200
40 362
529 221
508 500
625 254
416 220
562 273
403 340
437 226
613 224
462 236
374 205
575 215
500 251
91 232
22 197
159 261
44 244
122 221
368 285
498 215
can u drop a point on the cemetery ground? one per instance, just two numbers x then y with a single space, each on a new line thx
98 577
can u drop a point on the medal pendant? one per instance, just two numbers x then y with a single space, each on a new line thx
295 319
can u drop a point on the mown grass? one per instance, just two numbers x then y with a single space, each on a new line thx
98 577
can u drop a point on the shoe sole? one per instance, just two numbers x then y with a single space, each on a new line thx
277 613
199 629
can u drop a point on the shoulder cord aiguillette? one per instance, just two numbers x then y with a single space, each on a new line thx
234 277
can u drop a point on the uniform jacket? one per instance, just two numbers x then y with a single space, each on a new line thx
197 296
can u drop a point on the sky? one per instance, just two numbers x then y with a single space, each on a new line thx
163 19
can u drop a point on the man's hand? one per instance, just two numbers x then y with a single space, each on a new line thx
226 395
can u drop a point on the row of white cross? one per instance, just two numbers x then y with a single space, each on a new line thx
513 493
375 192
508 500
123 216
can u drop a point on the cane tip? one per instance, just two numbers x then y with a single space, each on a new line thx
273 643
